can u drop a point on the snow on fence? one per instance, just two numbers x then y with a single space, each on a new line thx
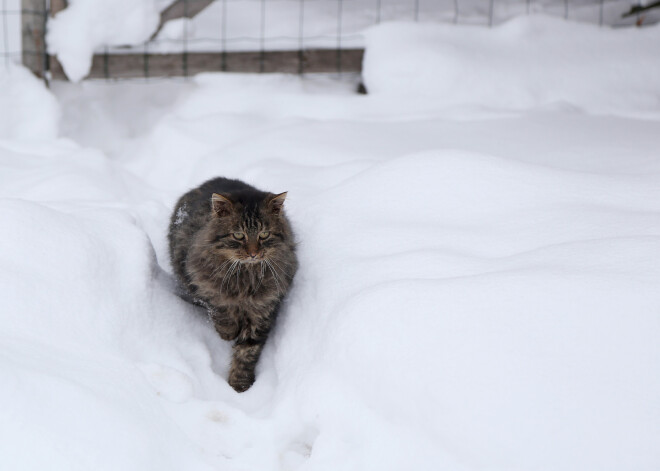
297 36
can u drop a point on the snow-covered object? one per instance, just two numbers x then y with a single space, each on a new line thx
30 111
75 32
526 62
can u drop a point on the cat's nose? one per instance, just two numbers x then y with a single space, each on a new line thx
253 254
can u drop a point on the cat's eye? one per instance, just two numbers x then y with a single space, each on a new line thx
239 235
264 235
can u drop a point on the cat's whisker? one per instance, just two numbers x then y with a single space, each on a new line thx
225 266
219 269
237 266
224 277
261 277
284 272
275 277
227 277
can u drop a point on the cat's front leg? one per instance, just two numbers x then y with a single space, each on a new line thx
247 351
227 325
243 363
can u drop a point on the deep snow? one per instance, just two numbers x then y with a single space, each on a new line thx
478 284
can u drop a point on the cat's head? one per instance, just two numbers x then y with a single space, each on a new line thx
249 226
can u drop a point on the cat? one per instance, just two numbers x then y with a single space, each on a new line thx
233 252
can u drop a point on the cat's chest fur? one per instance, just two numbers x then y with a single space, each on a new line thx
228 283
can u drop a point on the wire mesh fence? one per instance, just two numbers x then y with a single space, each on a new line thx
296 36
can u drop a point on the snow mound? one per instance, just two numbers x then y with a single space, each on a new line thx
524 63
34 110
61 331
498 288
75 32
80 280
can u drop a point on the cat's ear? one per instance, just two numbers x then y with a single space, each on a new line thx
276 202
222 206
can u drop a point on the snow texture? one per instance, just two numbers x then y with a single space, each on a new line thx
478 284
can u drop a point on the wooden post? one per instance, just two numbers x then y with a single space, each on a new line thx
33 31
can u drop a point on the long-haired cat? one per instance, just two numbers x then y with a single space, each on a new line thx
233 252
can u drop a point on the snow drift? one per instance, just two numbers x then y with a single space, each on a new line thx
524 63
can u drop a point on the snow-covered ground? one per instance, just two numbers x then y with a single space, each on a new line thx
478 285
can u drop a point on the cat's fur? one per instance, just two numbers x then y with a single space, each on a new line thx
223 262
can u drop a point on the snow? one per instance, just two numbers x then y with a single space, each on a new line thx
85 25
529 61
34 112
478 282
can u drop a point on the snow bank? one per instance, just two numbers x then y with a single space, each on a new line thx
524 63
78 280
503 295
64 392
75 32
31 111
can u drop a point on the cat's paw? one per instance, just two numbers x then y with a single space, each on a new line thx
240 383
227 332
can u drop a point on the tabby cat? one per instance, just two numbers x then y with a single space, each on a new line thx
233 252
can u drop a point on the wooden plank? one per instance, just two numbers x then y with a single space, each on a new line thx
118 66
33 27
57 5
181 9
184 9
